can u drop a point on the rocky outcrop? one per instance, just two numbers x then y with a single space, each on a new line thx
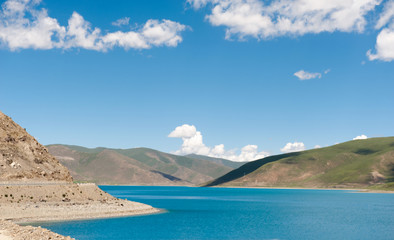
22 158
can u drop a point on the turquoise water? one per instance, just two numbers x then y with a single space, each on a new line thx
230 213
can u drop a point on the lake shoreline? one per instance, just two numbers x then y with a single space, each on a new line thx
47 212
361 190
357 190
28 203
24 215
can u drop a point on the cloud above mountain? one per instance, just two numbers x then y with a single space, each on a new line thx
293 147
193 143
360 137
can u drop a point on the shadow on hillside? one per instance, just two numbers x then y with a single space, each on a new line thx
248 168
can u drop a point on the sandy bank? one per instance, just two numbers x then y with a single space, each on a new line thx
24 203
56 202
38 212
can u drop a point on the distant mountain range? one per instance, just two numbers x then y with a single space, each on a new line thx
138 166
365 163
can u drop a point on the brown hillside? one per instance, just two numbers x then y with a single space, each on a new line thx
109 167
23 158
135 166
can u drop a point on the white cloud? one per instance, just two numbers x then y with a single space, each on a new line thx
121 22
163 32
80 34
184 131
293 147
39 32
360 137
193 143
317 146
302 75
275 18
327 71
386 15
384 47
24 25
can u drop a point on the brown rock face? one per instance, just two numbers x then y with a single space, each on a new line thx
22 158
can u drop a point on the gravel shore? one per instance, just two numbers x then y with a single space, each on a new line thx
12 213
21 203
12 231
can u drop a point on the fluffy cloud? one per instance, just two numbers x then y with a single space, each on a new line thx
24 25
302 75
184 131
293 147
121 22
317 146
360 137
193 143
275 18
17 31
384 47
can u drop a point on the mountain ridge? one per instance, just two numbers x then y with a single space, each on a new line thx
365 163
135 166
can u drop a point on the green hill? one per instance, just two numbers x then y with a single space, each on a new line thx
365 163
137 166
221 161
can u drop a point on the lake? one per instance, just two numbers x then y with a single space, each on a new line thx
235 213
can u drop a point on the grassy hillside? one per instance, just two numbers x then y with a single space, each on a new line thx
137 166
221 161
354 164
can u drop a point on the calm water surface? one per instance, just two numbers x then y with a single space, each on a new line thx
230 213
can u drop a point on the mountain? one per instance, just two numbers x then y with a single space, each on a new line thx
35 187
221 161
22 158
365 163
136 166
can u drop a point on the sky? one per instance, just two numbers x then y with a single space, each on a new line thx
238 79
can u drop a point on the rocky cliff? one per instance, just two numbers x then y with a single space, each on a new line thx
22 158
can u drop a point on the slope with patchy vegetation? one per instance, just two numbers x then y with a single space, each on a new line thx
137 166
221 161
356 164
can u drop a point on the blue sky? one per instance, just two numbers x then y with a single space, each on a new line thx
237 89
